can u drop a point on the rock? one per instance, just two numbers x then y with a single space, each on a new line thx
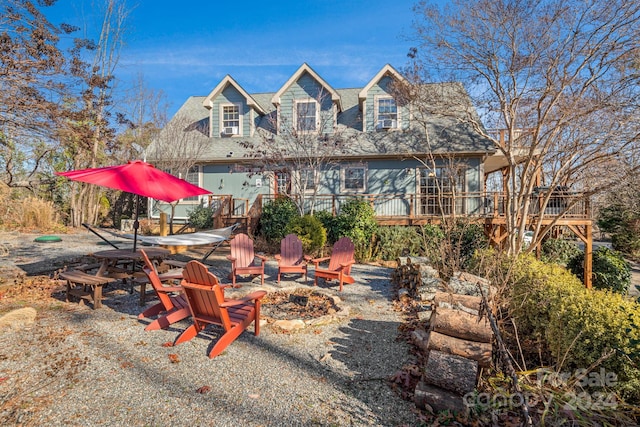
290 325
467 284
19 319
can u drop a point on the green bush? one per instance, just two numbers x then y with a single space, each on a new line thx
330 224
393 242
450 247
357 221
610 270
627 242
559 251
310 231
612 218
575 325
201 217
276 215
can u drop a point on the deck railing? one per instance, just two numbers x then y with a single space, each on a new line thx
415 206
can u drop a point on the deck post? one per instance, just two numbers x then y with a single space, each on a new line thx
588 256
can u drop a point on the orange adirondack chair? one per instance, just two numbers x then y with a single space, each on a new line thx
209 306
243 258
340 263
171 308
291 258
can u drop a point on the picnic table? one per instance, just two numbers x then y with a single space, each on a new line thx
85 285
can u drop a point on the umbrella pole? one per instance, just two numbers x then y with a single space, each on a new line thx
136 224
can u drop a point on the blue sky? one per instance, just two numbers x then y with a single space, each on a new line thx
187 50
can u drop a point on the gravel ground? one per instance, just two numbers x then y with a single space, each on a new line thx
76 366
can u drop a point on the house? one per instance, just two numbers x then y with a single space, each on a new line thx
372 143
412 154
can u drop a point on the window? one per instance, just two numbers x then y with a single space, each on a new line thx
193 177
307 180
306 116
387 113
441 191
283 183
231 120
354 178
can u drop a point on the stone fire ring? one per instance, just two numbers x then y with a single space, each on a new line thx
290 325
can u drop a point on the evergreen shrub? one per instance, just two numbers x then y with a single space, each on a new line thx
396 241
575 325
310 231
201 217
357 221
276 216
559 251
610 270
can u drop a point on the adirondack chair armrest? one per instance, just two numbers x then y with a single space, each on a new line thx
171 274
347 264
247 298
169 289
317 261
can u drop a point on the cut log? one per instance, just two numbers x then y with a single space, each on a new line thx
421 339
451 372
457 323
478 351
438 399
468 301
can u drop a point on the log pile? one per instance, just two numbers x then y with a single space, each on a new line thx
456 340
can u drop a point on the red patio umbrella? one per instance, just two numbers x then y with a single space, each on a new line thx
139 178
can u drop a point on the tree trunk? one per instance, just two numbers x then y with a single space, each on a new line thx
457 323
451 372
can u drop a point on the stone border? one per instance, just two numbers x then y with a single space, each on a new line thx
289 325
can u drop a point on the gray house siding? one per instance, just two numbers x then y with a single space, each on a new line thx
306 88
381 89
230 95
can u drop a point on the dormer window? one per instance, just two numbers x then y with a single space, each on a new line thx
386 113
230 124
306 116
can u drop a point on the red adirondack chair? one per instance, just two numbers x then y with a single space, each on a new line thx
209 306
291 258
171 308
243 258
340 263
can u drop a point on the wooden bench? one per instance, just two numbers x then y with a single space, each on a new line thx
85 286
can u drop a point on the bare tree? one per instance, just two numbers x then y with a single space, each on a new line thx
177 149
32 70
90 135
557 77
300 149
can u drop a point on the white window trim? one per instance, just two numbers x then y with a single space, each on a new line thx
240 116
199 184
295 114
376 111
343 172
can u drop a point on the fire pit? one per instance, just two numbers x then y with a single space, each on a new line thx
303 306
